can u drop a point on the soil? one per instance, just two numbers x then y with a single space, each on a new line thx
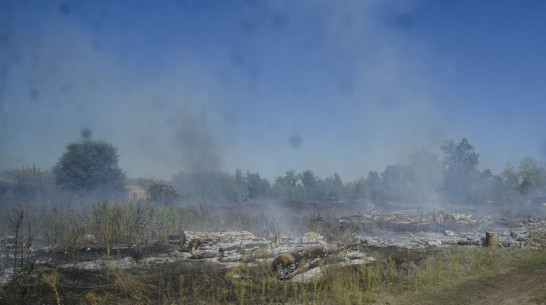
509 287
520 286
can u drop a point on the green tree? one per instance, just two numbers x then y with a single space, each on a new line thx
396 180
511 176
460 162
257 187
359 189
291 179
335 189
529 177
374 187
532 174
288 187
239 178
162 193
30 184
89 166
460 156
308 179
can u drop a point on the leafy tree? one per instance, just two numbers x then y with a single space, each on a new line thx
461 156
357 189
460 162
511 176
239 178
395 182
88 166
532 174
241 185
290 179
29 183
501 192
288 186
491 188
257 187
308 179
374 189
162 193
334 187
529 177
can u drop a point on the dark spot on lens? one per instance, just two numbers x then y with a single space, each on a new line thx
33 93
279 21
251 2
181 4
86 134
237 60
295 141
405 21
64 8
65 88
248 26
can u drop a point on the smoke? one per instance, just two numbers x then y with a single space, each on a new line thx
66 84
342 87
199 150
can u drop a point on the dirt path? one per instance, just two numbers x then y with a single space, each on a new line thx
512 287
515 286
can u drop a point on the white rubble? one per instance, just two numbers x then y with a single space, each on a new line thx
415 230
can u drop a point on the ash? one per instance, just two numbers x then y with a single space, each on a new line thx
357 240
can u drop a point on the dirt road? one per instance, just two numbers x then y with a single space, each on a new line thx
512 287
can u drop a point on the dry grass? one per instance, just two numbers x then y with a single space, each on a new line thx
442 277
437 275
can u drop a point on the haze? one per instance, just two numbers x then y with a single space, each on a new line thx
268 86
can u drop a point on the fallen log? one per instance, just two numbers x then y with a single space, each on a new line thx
285 265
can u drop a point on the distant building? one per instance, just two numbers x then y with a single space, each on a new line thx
136 193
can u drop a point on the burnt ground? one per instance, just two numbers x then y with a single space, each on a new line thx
141 284
189 281
193 281
164 273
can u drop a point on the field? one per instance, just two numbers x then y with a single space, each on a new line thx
377 258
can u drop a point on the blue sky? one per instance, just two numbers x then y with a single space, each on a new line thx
268 86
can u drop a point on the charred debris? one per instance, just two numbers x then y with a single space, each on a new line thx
347 240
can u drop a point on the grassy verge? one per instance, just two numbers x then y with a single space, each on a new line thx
483 276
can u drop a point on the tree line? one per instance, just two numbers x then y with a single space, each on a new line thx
89 171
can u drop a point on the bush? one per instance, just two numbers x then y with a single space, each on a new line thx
89 166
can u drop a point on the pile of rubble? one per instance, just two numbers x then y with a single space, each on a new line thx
409 230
